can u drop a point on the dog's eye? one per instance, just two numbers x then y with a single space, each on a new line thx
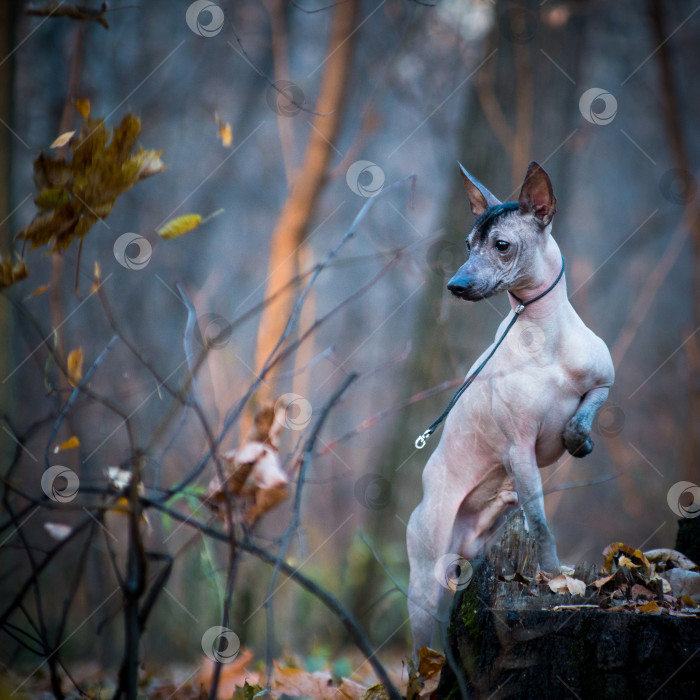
502 246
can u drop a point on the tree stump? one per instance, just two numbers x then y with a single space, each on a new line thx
505 642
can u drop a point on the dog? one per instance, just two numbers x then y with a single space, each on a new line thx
536 397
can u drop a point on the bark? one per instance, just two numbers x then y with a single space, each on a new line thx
506 644
294 219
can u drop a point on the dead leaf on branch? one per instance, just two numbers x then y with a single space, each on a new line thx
76 191
11 273
255 479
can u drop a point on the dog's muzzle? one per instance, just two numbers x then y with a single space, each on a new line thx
463 288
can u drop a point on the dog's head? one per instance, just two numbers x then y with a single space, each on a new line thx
506 237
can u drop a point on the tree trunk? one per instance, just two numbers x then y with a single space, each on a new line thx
294 219
507 644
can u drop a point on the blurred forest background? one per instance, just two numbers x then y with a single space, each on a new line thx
408 88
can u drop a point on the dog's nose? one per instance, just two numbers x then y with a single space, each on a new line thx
458 285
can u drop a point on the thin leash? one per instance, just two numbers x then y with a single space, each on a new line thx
422 439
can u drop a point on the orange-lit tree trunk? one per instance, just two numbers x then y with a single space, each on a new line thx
307 183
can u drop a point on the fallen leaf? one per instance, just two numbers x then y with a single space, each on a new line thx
651 607
687 600
350 690
58 531
626 561
295 681
69 444
602 581
567 584
637 591
630 557
423 683
63 139
179 226
669 558
75 366
683 582
235 676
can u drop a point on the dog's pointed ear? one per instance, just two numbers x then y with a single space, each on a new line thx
480 198
536 195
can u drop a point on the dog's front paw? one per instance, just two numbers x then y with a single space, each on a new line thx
577 440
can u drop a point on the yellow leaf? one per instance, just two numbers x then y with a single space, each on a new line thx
182 224
83 107
40 290
651 607
63 139
225 132
96 277
625 561
69 444
75 366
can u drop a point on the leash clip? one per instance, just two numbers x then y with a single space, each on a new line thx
421 440
519 309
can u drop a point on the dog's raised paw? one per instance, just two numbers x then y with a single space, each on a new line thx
577 442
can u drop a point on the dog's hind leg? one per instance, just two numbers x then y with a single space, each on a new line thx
428 537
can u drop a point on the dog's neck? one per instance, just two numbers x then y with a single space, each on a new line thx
547 268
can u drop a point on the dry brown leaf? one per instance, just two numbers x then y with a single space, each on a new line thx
11 273
668 558
683 582
602 581
350 690
63 139
632 558
233 675
295 681
75 366
567 584
638 591
424 684
69 444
